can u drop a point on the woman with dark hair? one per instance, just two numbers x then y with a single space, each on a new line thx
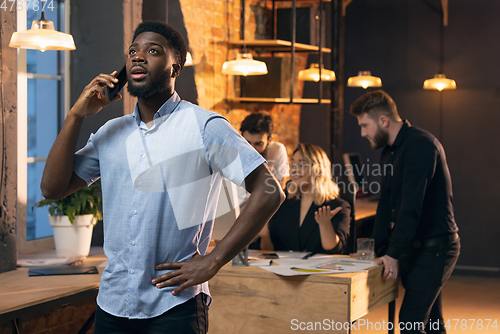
313 218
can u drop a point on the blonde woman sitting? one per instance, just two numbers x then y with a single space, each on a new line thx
313 218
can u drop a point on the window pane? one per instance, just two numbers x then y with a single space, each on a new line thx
43 111
37 221
45 62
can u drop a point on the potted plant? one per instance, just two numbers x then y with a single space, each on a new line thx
73 218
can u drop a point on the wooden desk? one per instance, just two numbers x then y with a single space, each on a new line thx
245 299
21 294
253 300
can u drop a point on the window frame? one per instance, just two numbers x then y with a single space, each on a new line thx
23 245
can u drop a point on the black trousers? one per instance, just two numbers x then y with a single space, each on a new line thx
190 317
423 273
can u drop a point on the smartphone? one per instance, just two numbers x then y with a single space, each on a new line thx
122 80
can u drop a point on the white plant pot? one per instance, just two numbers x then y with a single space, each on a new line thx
72 239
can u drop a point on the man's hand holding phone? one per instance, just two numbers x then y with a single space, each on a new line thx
94 96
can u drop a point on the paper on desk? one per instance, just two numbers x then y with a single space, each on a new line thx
318 264
38 261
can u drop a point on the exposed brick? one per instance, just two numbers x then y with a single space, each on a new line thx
33 325
66 314
7 327
52 320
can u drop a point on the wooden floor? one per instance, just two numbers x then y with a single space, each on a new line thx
465 298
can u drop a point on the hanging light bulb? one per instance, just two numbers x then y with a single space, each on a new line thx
312 74
42 36
364 79
189 60
244 65
440 82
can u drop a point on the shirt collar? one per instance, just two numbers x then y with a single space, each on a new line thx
401 133
166 109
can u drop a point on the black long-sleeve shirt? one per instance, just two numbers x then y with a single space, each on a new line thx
416 192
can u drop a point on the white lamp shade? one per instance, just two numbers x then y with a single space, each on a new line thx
244 65
440 82
364 79
312 74
42 36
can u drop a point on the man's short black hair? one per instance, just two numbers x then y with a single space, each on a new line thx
175 40
257 123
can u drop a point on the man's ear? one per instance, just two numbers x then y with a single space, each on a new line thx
176 70
384 121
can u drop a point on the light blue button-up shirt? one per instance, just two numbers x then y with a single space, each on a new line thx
160 187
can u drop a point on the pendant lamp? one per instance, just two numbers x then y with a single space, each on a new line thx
364 79
312 74
244 64
42 36
440 81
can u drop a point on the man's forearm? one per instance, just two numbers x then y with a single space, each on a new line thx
260 207
57 176
59 166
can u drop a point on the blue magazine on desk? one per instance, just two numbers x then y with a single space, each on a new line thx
72 270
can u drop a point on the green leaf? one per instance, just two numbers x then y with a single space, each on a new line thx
84 201
70 212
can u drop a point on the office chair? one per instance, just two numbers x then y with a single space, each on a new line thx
347 192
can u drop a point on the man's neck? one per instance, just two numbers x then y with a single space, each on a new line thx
394 128
148 107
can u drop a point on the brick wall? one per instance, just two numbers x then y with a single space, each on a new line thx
8 139
67 319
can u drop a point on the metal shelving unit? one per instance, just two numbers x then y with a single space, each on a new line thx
276 45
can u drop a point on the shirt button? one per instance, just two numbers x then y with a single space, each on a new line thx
135 212
133 243
147 134
138 184
132 271
143 156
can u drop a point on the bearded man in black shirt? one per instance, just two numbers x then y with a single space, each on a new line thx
415 231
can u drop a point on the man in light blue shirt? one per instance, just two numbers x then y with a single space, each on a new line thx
161 170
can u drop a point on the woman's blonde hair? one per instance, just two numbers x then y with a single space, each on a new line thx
322 185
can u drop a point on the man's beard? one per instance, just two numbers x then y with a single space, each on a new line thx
151 88
264 152
380 140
